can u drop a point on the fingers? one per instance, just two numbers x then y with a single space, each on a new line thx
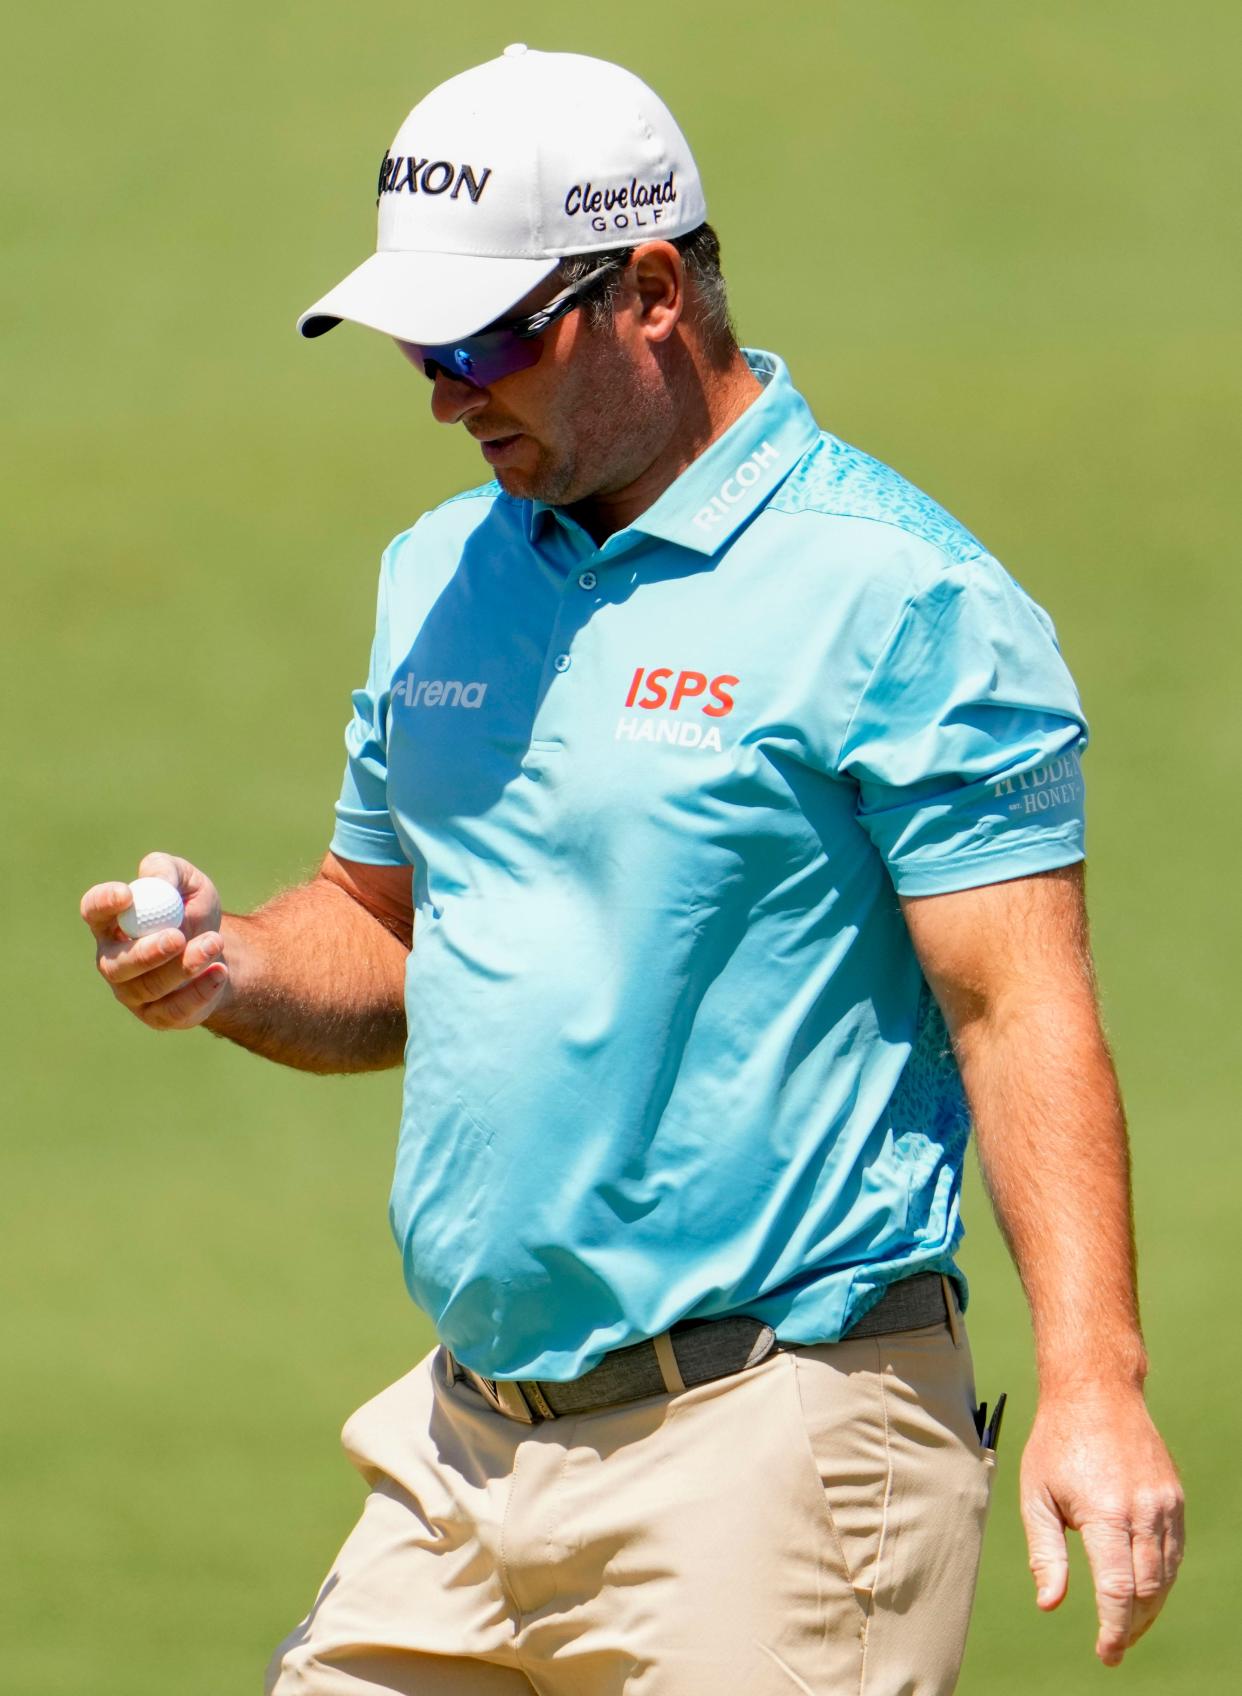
163 979
1045 1540
1155 1533
100 906
1156 1538
154 976
1173 1539
1144 1617
172 979
1108 1549
168 866
1132 1571
189 1005
202 904
156 965
1147 1558
121 960
1097 1464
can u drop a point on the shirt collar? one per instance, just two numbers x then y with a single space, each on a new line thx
727 484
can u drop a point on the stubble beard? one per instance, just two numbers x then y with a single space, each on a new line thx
611 421
551 481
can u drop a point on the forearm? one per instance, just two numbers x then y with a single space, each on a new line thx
315 982
1052 1143
1011 966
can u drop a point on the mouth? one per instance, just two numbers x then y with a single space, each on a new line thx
497 449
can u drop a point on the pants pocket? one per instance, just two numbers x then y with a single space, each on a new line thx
840 1413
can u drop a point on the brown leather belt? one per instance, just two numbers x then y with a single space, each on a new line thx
696 1351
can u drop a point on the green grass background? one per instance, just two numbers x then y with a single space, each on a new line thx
999 247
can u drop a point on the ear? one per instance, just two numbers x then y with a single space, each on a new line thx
659 282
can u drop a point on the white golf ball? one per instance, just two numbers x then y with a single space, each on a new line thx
154 905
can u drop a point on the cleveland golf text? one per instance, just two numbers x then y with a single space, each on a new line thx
621 207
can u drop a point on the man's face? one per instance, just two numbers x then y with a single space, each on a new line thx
586 420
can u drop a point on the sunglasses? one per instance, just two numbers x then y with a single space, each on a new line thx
485 358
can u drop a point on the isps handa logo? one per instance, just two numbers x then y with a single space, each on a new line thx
663 690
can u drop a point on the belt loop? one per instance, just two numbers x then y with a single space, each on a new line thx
950 1308
666 1360
535 1399
512 1401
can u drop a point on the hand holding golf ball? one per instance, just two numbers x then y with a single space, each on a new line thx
155 904
158 944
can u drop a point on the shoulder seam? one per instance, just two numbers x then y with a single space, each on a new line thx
979 551
479 491
899 619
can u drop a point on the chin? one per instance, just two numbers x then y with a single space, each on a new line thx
515 483
541 484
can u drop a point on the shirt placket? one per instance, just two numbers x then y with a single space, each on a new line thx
581 592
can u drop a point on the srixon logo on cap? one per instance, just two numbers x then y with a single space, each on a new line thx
403 173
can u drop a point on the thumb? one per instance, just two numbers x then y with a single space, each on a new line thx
202 901
167 866
1045 1539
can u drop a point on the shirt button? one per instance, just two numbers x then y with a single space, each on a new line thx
588 580
561 662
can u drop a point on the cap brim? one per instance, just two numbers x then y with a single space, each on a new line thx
426 297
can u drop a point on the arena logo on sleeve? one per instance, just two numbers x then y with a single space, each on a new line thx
438 692
1058 783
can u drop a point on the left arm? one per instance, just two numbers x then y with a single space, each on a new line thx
1010 965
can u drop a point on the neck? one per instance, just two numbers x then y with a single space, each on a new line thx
710 398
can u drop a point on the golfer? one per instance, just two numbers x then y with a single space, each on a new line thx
709 852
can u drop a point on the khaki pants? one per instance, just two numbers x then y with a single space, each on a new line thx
811 1525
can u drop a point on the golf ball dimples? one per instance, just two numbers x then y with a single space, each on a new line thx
154 905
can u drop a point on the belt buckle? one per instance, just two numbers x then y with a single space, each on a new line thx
509 1398
522 1401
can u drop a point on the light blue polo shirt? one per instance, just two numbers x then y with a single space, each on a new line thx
670 1050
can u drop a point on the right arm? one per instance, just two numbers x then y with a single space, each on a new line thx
314 979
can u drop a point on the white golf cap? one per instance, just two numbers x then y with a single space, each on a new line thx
499 173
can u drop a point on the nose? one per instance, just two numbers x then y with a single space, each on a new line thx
452 399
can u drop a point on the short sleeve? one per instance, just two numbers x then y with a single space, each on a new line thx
965 742
364 828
